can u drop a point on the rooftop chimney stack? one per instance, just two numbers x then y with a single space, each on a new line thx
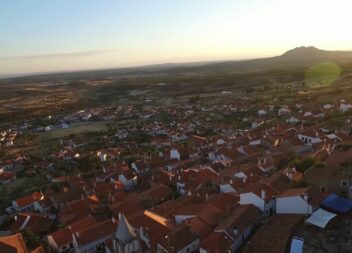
235 231
305 196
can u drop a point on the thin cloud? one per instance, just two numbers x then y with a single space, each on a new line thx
58 55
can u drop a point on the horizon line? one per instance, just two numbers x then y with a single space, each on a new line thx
132 66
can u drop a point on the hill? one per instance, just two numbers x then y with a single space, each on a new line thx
300 57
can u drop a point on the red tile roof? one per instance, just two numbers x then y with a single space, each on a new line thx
216 243
274 236
4 176
152 226
295 192
40 249
62 237
95 232
29 199
242 217
38 223
259 187
82 224
177 239
13 244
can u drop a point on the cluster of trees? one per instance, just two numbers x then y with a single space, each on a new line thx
304 164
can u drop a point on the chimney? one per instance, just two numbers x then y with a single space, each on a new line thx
235 231
263 194
77 234
231 181
244 179
113 219
305 196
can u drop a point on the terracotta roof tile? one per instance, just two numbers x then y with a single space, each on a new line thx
13 244
274 236
29 199
216 243
177 239
62 237
95 232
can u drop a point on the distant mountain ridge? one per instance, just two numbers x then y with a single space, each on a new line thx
294 58
315 53
299 57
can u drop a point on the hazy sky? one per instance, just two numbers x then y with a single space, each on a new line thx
50 35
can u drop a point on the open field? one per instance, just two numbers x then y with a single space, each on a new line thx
79 128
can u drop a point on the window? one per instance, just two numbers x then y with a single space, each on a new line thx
130 247
136 247
344 183
323 188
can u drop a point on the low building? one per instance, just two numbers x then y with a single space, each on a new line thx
260 195
180 240
26 203
240 224
296 201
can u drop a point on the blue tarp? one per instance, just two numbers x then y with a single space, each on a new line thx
337 203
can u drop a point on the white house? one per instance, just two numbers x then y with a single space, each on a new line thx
180 240
61 240
128 178
283 111
174 154
102 156
345 107
228 187
93 238
262 113
328 106
256 123
262 196
295 201
309 137
27 203
239 225
292 120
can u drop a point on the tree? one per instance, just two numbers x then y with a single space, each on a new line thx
32 239
304 164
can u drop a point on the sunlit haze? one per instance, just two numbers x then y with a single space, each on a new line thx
61 35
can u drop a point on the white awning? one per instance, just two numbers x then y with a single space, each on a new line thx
320 218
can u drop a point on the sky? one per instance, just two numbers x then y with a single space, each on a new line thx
62 35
